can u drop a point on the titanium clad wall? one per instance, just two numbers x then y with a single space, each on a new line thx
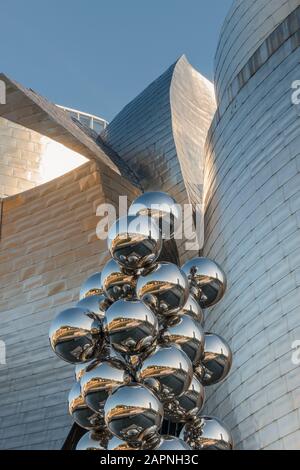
161 134
252 227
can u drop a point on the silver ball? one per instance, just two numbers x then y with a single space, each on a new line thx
74 335
171 443
117 444
131 326
161 207
188 405
217 359
164 288
133 413
167 371
135 242
193 309
186 333
92 286
208 278
117 283
207 433
96 304
100 381
80 412
90 441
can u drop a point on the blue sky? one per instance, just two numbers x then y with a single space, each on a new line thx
97 55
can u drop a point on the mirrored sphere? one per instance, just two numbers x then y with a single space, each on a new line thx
164 288
167 371
80 412
135 242
92 286
133 413
208 277
99 382
193 309
161 207
131 326
186 333
117 444
207 433
217 359
89 441
74 335
117 283
172 443
96 304
188 405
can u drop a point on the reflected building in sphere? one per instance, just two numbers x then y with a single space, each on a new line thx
232 152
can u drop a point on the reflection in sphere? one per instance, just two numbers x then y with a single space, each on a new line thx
188 334
89 441
193 309
161 207
131 326
80 368
207 433
74 335
92 286
172 443
99 382
117 283
207 278
133 413
96 304
164 288
167 371
117 444
187 405
135 242
217 359
80 412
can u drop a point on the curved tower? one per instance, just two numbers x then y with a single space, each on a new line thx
252 221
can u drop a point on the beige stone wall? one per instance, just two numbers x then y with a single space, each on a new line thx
48 247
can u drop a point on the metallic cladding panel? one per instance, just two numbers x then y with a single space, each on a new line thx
252 228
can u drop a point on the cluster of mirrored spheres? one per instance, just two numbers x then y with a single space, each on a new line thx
137 340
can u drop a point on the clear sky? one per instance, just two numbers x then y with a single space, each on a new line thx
97 55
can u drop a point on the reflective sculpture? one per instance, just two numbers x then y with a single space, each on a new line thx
217 359
207 433
137 341
161 207
133 413
75 335
207 280
135 242
164 288
92 286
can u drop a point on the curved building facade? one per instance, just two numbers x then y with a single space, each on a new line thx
252 221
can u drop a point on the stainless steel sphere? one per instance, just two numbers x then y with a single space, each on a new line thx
135 242
117 283
89 441
207 279
80 412
188 405
217 359
96 304
75 335
131 326
171 443
161 207
100 381
188 334
133 413
164 288
117 444
167 371
92 286
193 309
207 433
